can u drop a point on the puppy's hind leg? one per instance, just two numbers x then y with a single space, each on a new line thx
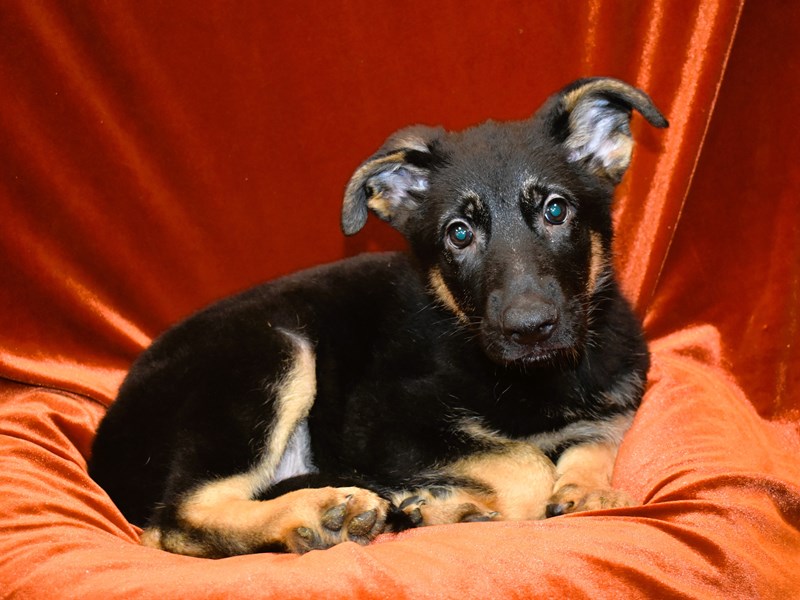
215 504
221 519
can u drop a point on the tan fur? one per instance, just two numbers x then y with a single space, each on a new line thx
381 206
456 505
176 542
212 502
297 521
581 477
619 148
226 508
365 171
584 478
443 293
510 482
151 537
474 428
619 159
597 263
296 393
474 206
572 98
521 475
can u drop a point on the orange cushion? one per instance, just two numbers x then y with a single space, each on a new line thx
720 517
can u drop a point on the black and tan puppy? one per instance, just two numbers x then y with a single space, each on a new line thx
391 390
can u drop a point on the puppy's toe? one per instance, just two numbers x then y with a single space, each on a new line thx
365 515
305 539
574 498
362 525
556 509
336 515
412 506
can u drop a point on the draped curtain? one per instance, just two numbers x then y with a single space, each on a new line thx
156 156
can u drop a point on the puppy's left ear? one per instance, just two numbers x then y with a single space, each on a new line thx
591 118
393 181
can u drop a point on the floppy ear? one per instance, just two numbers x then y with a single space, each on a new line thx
392 182
593 120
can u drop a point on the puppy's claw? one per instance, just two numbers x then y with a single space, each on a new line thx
411 500
558 509
476 518
574 498
473 514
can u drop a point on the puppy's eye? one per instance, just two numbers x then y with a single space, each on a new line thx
555 210
459 234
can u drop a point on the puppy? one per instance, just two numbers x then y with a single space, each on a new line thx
489 373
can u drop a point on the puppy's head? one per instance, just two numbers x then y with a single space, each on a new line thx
511 221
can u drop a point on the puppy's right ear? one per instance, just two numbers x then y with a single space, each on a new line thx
393 181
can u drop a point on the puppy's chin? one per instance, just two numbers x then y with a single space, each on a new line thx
557 353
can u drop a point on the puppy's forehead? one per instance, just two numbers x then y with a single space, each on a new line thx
493 160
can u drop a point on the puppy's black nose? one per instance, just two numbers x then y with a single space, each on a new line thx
529 321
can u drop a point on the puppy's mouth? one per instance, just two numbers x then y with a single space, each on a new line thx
505 350
534 356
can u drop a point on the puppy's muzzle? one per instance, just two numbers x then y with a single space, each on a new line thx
524 325
529 320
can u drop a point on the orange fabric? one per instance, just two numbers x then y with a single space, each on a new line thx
157 156
740 266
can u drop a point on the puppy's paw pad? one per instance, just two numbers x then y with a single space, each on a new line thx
363 524
573 498
305 539
333 518
362 516
335 515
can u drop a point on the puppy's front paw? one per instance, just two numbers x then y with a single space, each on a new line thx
424 508
575 498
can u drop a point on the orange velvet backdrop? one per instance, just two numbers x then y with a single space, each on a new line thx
158 155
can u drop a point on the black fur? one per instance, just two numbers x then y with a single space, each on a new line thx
526 346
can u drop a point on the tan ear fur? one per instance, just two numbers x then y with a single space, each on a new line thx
390 182
599 114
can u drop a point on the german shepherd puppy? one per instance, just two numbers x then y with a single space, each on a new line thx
490 373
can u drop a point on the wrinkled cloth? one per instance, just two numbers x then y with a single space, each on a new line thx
157 156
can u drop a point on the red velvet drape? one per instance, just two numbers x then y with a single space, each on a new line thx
156 156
